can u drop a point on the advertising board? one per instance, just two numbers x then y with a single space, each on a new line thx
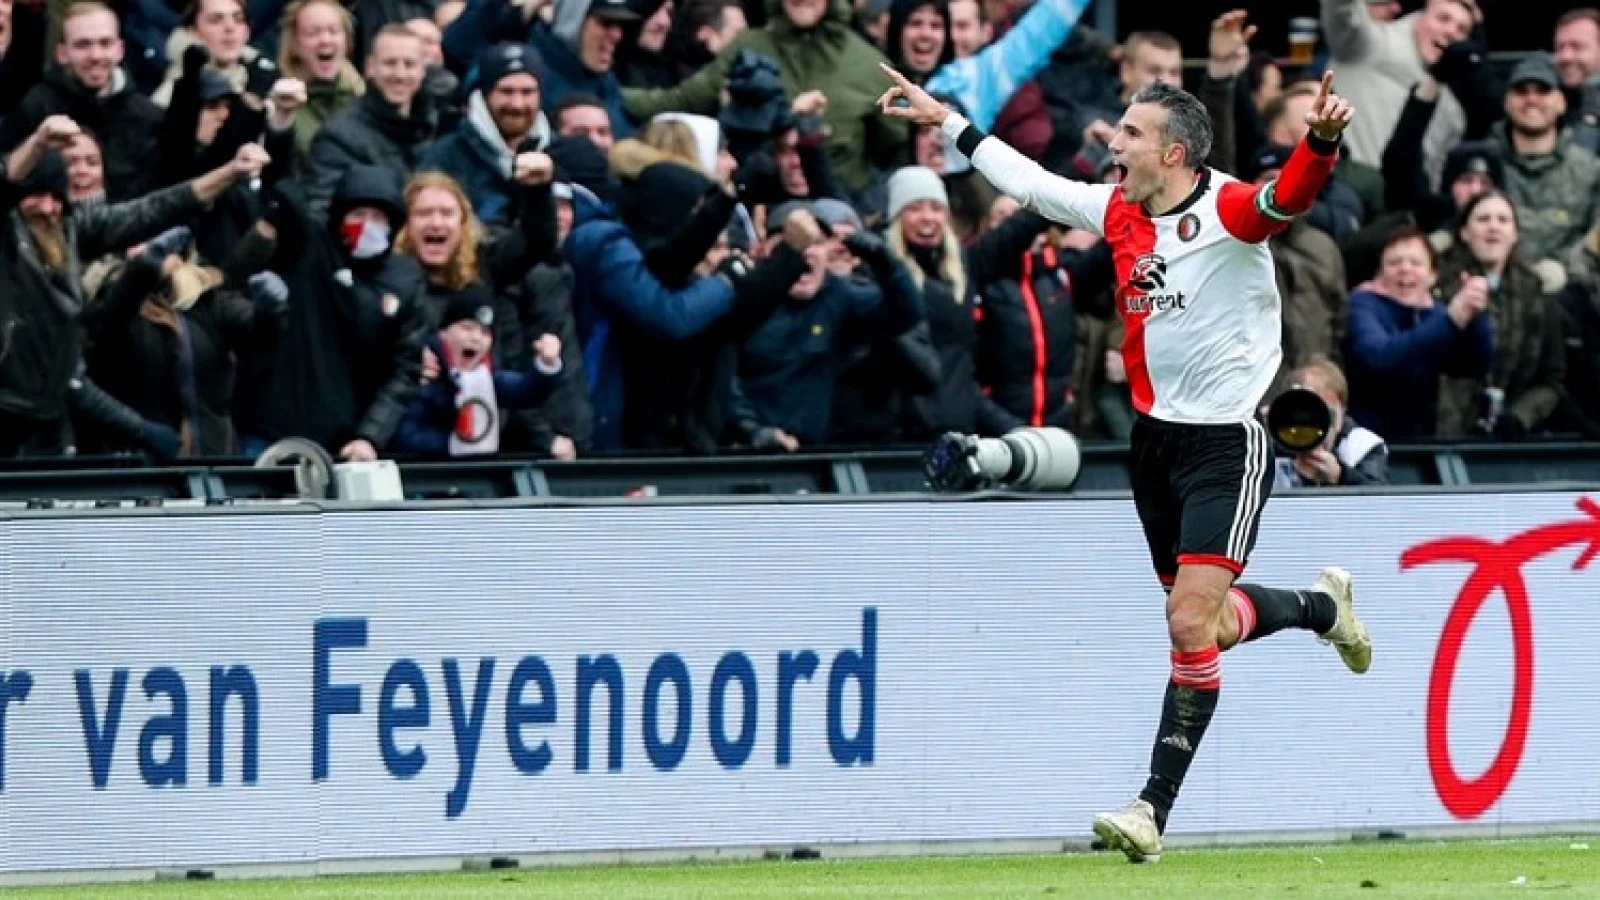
273 688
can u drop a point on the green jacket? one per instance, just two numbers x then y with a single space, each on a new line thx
1557 196
831 58
1529 349
323 99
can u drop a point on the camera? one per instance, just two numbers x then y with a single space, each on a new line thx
1299 419
1028 459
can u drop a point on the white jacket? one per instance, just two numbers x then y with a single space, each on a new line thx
1375 66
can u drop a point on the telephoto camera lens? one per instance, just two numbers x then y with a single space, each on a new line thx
1299 419
1026 459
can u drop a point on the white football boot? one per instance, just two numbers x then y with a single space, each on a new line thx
1348 635
1131 829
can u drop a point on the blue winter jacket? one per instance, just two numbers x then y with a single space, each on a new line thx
431 416
1395 356
615 292
984 82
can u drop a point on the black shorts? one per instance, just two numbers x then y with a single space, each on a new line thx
1199 490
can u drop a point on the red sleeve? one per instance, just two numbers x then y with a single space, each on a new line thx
1253 214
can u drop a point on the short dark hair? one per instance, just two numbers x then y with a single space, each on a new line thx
576 100
1188 123
1406 233
191 13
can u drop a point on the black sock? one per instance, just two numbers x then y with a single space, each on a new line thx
1185 714
1275 610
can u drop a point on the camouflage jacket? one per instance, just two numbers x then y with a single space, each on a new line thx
1529 350
1557 196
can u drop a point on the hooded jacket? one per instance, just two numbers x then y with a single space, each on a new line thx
40 343
899 15
125 122
477 157
368 133
347 362
564 72
830 57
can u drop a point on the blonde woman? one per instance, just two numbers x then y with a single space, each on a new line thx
318 38
952 280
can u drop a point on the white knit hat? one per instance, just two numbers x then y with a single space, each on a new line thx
914 183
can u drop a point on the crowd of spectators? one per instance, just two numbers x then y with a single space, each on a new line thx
584 227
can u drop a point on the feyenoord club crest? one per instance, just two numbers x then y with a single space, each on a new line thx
1188 227
474 419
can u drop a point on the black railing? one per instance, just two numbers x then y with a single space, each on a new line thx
128 481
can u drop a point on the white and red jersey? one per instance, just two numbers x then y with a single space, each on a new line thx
1196 287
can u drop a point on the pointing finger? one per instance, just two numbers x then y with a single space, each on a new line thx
1327 88
898 79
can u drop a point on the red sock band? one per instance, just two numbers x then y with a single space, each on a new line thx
1244 610
1197 669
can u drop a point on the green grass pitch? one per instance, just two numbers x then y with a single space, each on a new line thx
1449 870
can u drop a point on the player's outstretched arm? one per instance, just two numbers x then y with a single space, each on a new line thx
1058 199
1256 213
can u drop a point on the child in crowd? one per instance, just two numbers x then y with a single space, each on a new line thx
457 411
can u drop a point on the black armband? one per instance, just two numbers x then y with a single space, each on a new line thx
970 138
1322 146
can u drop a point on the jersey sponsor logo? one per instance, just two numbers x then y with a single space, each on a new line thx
1146 288
1149 273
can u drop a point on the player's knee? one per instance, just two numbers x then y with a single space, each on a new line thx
1191 622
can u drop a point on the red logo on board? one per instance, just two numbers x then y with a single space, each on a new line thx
1497 566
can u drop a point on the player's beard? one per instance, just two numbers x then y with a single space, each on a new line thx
50 240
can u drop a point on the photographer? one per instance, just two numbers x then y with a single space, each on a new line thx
1349 455
789 368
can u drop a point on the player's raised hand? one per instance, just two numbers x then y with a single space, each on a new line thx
1330 115
920 108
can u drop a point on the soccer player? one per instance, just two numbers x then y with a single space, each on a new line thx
1199 302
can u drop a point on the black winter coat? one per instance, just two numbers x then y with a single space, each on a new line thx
368 132
959 403
174 378
351 351
543 305
40 342
125 122
1028 338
